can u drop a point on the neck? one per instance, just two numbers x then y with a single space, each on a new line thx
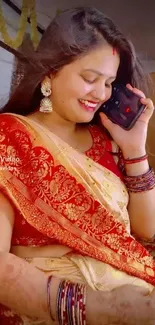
56 124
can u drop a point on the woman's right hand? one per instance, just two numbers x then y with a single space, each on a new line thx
126 305
133 304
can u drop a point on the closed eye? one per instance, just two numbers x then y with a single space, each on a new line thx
92 81
88 81
108 85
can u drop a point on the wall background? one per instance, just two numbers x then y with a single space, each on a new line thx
135 18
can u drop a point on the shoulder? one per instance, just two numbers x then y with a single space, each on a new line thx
7 120
14 134
11 123
8 117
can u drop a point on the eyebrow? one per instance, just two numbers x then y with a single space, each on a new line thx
99 73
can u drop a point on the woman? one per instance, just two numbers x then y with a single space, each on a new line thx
63 198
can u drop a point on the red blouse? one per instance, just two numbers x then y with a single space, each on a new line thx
23 233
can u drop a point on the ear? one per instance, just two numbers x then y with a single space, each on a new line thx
46 80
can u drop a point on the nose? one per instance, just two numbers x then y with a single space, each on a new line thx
99 92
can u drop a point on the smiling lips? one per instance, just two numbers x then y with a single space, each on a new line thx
88 105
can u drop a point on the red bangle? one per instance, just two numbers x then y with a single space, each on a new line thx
135 160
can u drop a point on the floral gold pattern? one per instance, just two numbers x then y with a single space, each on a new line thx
61 204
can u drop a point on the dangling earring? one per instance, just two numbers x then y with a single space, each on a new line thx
46 103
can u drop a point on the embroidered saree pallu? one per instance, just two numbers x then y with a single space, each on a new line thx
70 198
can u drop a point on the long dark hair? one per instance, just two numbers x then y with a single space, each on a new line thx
71 34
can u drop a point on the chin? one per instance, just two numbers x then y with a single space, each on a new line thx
85 119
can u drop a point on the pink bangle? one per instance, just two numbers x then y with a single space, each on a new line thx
141 183
49 296
71 304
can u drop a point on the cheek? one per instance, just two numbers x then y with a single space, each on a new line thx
78 92
65 89
108 94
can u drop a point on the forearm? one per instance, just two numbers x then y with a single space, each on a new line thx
142 214
141 205
23 287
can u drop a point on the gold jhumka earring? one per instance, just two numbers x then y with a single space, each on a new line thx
46 102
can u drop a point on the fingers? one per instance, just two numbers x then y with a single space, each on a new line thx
149 107
143 290
145 101
136 91
153 294
106 122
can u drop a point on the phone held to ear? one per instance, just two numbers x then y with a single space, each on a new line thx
124 107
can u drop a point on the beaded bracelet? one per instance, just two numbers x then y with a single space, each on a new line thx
71 304
141 183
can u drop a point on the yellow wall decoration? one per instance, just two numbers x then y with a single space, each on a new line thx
28 10
58 12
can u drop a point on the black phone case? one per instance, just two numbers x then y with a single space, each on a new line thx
124 107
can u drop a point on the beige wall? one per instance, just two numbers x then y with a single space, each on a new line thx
151 132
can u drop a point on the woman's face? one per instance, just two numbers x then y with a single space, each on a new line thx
79 89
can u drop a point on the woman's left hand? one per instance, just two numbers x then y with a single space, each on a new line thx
131 142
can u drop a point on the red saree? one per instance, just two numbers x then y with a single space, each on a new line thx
68 198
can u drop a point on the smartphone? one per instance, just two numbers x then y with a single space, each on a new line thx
124 107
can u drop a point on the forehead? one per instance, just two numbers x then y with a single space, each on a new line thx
103 59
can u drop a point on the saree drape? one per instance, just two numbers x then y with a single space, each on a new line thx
72 199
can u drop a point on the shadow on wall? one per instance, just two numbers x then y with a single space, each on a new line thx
151 132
